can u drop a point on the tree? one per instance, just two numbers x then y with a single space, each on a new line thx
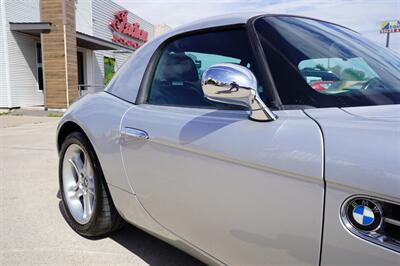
353 74
320 67
337 70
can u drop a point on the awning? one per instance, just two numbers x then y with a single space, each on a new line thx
93 43
82 40
31 28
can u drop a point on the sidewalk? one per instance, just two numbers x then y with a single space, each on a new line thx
35 112
12 120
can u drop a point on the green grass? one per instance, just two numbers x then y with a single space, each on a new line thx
5 113
54 115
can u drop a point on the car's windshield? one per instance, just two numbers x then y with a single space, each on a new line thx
320 64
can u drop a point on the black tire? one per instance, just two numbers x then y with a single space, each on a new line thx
105 218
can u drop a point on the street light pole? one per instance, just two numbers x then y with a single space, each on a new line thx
387 39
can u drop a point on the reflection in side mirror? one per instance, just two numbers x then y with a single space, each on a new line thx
235 84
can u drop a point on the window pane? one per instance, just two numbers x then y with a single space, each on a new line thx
109 69
204 61
39 66
319 64
81 68
40 78
177 79
38 53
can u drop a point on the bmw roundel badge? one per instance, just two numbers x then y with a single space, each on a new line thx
364 214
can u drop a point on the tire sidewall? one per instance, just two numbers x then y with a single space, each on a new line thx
83 142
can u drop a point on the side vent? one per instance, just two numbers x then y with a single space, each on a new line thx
373 219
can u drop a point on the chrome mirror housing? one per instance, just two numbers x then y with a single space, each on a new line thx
235 84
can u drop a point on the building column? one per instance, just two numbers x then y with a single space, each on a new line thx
60 73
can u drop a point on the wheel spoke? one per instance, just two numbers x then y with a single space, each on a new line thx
75 187
90 185
86 165
91 191
74 166
77 193
77 164
87 207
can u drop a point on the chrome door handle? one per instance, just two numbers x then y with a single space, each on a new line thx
129 133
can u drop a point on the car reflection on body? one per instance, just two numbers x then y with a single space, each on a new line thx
212 139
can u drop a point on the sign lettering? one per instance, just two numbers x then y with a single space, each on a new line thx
390 26
121 25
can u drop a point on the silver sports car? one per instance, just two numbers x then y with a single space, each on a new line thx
244 140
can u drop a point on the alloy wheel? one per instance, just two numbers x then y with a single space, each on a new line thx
78 183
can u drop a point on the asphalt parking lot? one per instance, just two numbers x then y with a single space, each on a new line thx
32 228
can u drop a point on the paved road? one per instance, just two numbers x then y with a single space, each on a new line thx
32 229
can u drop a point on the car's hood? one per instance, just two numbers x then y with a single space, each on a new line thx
362 147
380 112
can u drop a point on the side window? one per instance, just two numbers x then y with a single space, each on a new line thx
204 61
177 78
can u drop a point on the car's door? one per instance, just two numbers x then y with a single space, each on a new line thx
245 192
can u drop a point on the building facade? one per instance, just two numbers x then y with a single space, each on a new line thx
52 51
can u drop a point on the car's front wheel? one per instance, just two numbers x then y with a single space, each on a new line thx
89 209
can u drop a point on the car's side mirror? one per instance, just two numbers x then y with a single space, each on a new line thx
237 85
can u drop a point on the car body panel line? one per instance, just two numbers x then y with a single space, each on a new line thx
324 184
120 151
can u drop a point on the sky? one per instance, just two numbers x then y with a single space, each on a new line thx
363 16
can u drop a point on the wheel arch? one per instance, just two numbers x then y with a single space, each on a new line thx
69 127
66 129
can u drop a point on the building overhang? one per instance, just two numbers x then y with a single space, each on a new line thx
31 28
94 43
82 40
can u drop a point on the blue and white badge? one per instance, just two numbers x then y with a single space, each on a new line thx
364 214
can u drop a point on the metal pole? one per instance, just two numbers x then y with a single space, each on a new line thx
387 39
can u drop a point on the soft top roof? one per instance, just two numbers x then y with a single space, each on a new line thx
211 22
225 20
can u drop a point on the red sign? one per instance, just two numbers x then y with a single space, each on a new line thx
121 25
